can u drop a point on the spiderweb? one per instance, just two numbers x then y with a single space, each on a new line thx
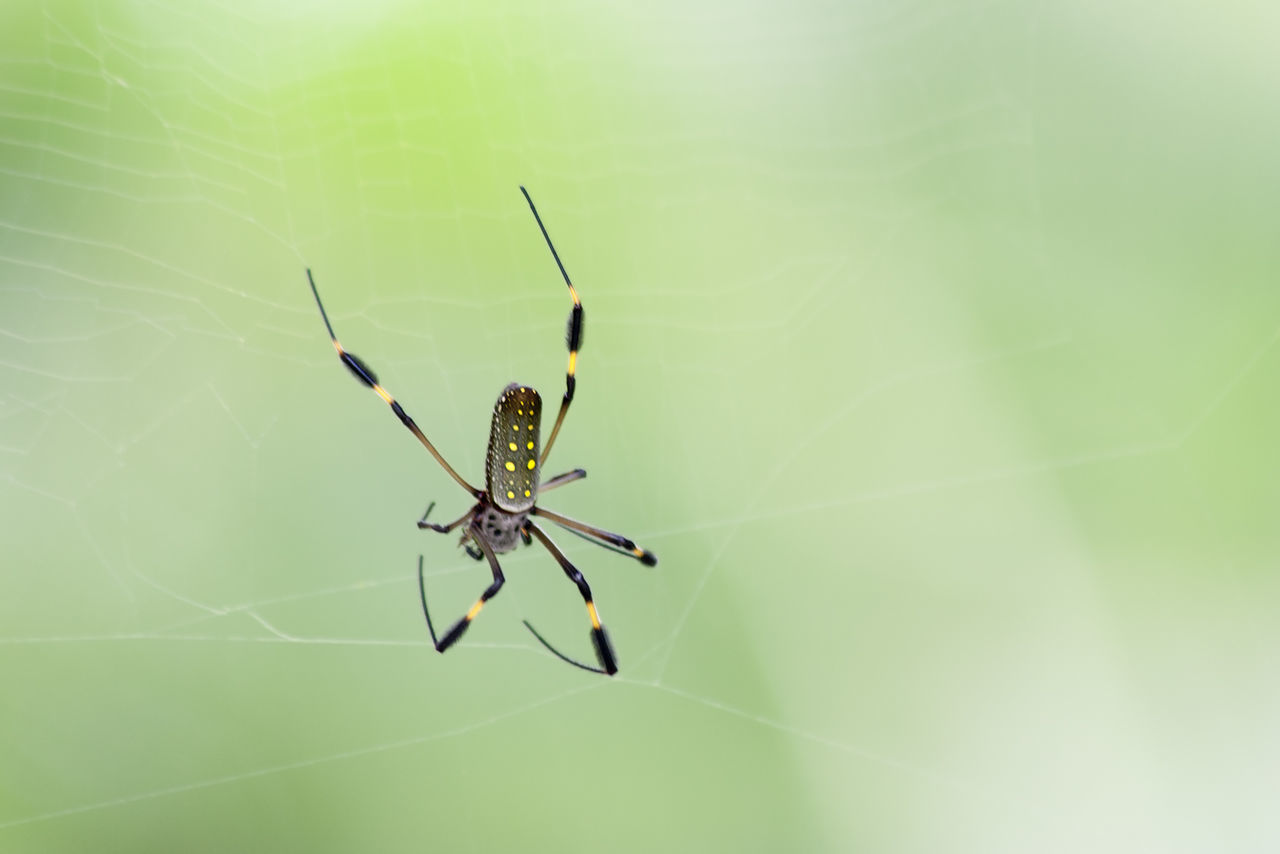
932 349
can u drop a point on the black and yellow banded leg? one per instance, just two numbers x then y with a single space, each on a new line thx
561 480
622 544
573 335
365 374
599 638
450 637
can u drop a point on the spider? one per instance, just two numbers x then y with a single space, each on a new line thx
504 512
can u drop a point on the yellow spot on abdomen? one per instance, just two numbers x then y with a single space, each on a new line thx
511 466
512 445
532 463
510 494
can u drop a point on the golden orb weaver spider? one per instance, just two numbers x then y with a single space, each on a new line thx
503 513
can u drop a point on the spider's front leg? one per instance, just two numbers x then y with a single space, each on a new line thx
465 541
362 372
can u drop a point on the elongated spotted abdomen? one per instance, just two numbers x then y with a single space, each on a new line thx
511 465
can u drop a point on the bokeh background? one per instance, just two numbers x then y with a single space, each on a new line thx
933 347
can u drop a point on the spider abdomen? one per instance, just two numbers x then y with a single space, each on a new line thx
511 464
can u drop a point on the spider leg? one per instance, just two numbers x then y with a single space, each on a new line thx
471 551
573 336
622 544
424 525
365 374
561 480
599 638
451 637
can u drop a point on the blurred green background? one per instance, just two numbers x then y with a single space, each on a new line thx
933 347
